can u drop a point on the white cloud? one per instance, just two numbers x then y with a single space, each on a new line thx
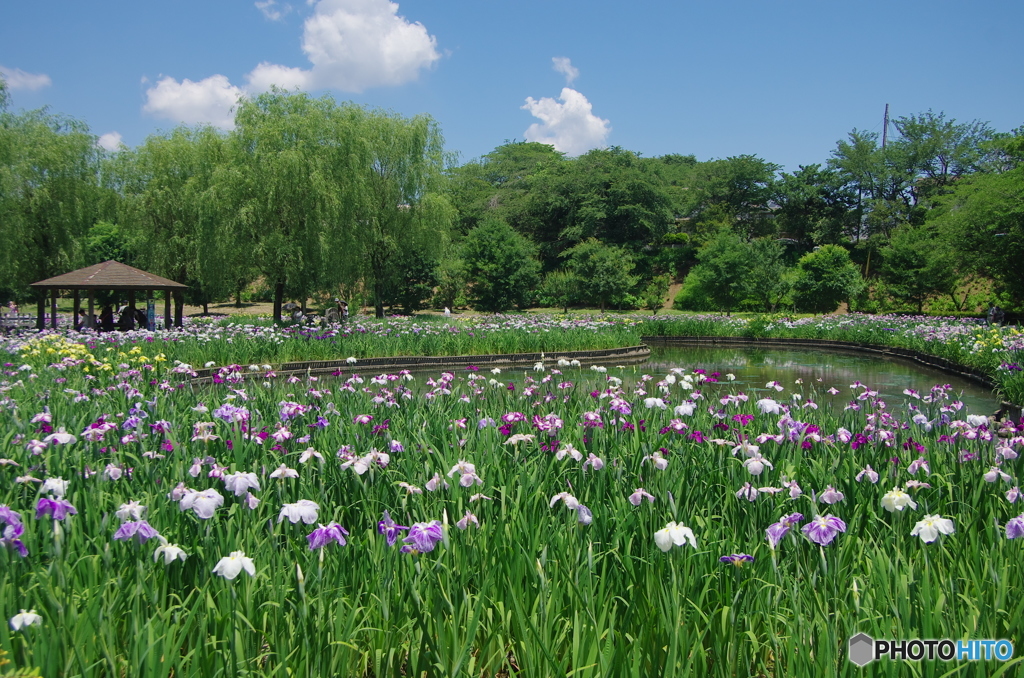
19 79
272 10
267 74
570 126
211 100
564 66
354 45
110 141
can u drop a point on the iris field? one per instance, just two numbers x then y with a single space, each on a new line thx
554 521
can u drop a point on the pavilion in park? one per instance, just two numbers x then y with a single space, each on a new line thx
110 275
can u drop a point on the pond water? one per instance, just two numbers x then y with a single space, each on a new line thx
754 367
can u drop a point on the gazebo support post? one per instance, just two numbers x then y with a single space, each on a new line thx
77 306
89 319
167 309
179 308
53 309
131 305
41 310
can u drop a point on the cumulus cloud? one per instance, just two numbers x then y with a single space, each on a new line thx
354 45
211 100
110 141
19 79
570 126
272 10
285 77
564 66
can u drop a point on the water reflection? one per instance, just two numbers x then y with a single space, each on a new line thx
754 367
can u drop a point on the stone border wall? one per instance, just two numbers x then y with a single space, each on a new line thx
928 360
628 354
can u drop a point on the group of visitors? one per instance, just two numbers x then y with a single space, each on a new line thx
127 318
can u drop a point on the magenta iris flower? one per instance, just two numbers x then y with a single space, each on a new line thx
390 529
325 534
58 508
737 559
823 529
423 537
140 529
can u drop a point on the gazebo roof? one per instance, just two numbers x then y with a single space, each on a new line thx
110 275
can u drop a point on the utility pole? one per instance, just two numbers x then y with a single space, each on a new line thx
885 127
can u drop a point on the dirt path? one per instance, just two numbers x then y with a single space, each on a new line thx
673 290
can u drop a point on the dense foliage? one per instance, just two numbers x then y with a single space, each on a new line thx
311 199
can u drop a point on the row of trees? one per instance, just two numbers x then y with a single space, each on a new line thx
304 193
932 215
311 197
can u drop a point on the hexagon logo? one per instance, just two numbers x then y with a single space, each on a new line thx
862 649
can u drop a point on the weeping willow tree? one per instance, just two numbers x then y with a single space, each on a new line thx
296 184
48 195
401 209
176 207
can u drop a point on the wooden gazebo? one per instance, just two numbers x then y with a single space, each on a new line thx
110 275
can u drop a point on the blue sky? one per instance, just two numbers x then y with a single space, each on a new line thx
781 79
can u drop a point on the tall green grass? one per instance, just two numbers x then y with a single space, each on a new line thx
531 591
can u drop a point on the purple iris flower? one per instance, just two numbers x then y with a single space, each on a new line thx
1015 527
12 538
58 508
737 559
776 531
325 534
136 528
423 537
10 517
389 529
823 529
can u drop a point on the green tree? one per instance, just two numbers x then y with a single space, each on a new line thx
176 209
939 151
501 266
48 196
605 271
499 183
608 194
815 207
982 221
298 173
401 208
766 276
414 283
824 279
916 265
451 281
735 192
561 288
716 282
654 293
896 185
107 241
